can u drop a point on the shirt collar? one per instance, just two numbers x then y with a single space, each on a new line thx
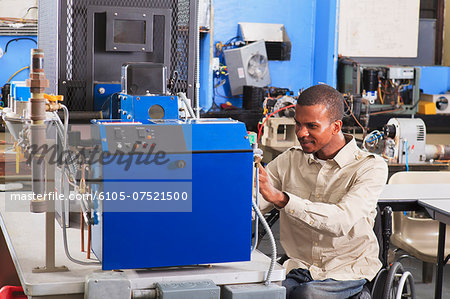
348 153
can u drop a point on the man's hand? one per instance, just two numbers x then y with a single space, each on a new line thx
269 192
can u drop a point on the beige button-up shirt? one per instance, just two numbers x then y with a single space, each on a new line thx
327 225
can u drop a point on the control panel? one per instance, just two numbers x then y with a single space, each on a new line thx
130 139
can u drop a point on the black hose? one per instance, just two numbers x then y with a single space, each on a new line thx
17 39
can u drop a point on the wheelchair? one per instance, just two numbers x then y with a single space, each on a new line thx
392 281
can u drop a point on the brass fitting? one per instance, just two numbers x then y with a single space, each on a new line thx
37 84
52 106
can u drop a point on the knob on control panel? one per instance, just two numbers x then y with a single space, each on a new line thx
180 163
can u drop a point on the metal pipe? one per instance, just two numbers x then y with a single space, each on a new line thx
440 261
37 84
84 115
437 151
197 64
147 294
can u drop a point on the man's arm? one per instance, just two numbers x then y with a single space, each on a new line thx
333 219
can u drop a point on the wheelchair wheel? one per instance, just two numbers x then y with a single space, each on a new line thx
378 284
399 284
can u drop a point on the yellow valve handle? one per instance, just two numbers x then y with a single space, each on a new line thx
53 98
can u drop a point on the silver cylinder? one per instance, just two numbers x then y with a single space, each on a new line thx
437 151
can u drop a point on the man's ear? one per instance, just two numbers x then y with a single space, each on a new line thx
337 125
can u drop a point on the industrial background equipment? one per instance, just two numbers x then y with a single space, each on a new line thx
372 91
403 141
89 41
440 101
276 39
386 88
247 65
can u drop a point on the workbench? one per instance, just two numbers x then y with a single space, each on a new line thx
25 236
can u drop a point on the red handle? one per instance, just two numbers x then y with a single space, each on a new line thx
11 292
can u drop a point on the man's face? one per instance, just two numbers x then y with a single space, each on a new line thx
313 127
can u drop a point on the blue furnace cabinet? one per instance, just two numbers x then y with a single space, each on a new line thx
171 193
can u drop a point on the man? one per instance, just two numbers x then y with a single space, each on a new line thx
326 191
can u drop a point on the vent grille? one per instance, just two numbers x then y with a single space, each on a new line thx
24 29
420 133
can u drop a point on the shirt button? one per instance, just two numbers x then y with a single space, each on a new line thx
311 222
315 244
291 212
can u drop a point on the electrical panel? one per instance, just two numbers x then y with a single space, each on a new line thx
401 73
384 88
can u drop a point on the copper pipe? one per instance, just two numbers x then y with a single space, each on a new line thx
89 242
82 230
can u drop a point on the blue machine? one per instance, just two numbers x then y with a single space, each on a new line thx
201 173
103 94
144 107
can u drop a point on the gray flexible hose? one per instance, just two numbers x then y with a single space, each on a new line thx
63 212
66 247
272 242
271 238
183 97
61 133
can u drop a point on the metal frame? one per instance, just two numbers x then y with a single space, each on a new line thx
129 15
75 86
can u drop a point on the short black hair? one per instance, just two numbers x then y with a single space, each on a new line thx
326 95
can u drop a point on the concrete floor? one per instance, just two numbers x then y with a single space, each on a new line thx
423 290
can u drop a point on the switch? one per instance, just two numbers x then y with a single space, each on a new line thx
118 133
141 132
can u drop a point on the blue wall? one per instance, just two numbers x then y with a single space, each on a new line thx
326 42
311 27
17 57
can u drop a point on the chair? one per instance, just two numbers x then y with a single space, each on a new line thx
419 236
392 281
